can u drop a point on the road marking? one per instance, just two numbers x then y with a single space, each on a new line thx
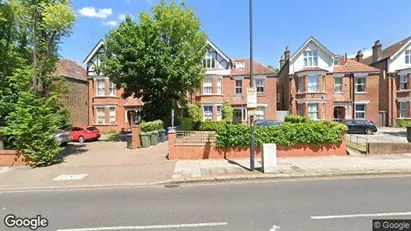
361 215
71 177
149 227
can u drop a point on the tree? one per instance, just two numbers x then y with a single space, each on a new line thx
228 113
158 59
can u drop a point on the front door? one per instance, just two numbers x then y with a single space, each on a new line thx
339 114
237 116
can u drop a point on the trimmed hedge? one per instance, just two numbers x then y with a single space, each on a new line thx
403 122
296 119
152 126
211 125
186 124
288 134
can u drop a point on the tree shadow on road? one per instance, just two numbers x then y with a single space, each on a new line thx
233 162
113 138
71 149
400 134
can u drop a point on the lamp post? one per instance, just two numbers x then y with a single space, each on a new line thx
251 86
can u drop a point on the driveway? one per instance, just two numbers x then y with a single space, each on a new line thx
384 135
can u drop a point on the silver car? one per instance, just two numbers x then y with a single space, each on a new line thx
63 137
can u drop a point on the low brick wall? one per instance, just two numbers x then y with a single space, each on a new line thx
209 151
388 148
13 158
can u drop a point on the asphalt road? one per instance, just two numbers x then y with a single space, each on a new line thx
291 205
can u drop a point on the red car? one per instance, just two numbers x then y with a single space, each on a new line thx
85 133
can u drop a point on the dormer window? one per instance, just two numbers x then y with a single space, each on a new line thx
408 57
310 58
209 62
240 64
336 61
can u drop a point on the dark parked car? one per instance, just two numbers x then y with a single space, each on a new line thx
361 127
267 123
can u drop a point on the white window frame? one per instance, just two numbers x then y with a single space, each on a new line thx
239 64
339 85
101 91
208 86
313 87
209 62
403 106
403 82
311 57
238 87
357 84
407 57
311 112
97 115
336 61
219 112
112 119
207 116
219 85
112 89
260 113
360 111
300 84
260 83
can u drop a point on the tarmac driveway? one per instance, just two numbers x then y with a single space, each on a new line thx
384 135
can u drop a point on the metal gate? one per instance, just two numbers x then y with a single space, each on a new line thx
281 115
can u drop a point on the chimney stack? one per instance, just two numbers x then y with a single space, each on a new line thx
287 54
359 56
282 61
376 51
345 58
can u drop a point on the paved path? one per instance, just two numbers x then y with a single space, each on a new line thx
292 167
384 135
295 205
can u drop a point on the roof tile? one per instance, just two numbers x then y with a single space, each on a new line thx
258 68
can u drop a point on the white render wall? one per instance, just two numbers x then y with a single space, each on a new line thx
398 62
324 59
95 61
223 66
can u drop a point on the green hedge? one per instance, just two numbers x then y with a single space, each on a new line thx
186 124
211 125
296 119
288 134
403 122
152 126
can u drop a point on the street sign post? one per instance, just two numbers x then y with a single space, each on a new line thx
172 118
251 97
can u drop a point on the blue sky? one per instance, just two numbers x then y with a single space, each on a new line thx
342 26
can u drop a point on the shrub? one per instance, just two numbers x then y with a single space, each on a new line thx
228 113
403 122
288 134
296 119
186 124
194 112
152 126
211 125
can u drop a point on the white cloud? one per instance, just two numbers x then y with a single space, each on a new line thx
110 23
121 17
95 13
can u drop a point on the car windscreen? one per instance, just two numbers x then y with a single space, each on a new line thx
92 129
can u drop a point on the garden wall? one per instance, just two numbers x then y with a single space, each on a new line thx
208 150
13 158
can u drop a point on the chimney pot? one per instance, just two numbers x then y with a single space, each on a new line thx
376 51
287 53
359 56
282 61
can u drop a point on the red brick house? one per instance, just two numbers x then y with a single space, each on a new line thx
316 83
395 79
107 109
76 100
227 81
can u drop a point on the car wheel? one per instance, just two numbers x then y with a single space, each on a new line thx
63 144
368 131
81 139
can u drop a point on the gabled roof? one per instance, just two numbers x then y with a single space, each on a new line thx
258 68
353 66
93 52
70 69
218 50
390 51
314 40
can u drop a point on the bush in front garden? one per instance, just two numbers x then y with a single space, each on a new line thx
186 124
296 119
403 122
288 134
152 126
211 125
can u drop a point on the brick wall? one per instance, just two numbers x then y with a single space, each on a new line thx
13 158
76 101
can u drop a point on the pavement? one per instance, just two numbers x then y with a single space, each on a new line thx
383 135
315 205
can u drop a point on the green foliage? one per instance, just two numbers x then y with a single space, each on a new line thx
159 57
403 122
152 126
194 112
228 113
288 134
211 125
186 124
296 119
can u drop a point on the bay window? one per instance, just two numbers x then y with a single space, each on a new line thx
310 58
112 88
112 115
219 116
208 86
101 115
219 85
100 87
403 82
300 109
313 83
207 113
300 84
403 109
